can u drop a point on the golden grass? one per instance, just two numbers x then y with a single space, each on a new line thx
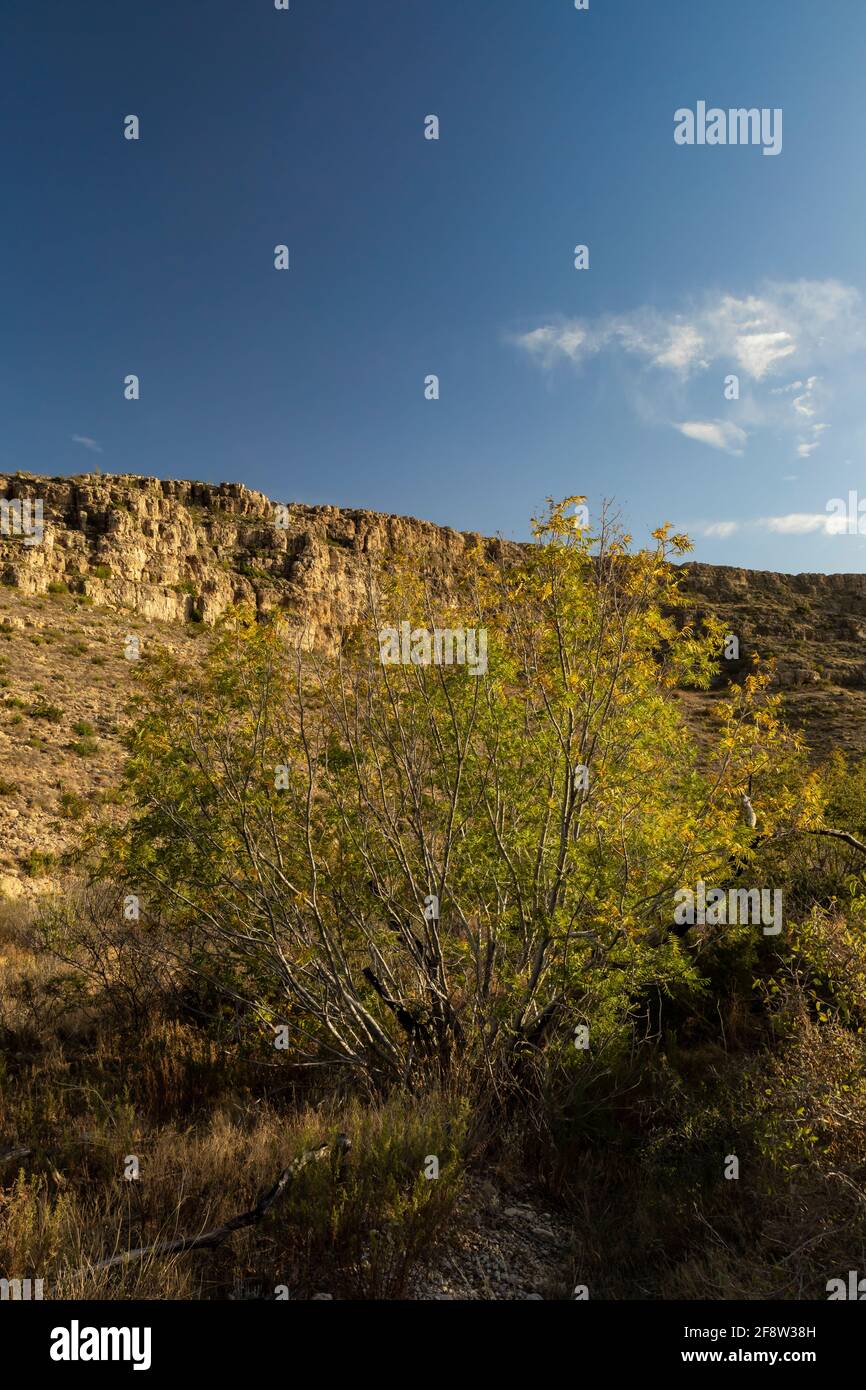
84 1097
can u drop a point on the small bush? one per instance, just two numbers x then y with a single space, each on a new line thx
43 710
85 747
38 862
72 806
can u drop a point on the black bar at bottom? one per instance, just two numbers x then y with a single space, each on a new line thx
267 1338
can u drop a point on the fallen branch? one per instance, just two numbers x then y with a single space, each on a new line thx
211 1239
14 1153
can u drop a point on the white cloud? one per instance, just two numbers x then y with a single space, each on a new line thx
719 434
803 523
87 442
795 327
684 349
803 404
759 353
791 524
549 343
804 319
808 445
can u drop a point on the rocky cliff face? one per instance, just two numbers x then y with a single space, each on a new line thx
813 626
175 551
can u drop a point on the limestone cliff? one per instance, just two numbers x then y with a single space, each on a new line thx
174 551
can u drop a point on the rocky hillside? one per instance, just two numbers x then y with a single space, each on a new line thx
162 559
178 551
813 626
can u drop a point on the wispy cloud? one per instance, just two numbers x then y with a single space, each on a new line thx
87 442
805 406
802 524
755 333
791 524
792 327
719 434
807 446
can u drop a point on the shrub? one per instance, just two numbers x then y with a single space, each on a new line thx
72 806
411 788
84 747
38 863
43 710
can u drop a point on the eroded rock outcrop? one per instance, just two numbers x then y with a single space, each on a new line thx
175 551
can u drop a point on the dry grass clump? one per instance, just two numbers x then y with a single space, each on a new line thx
210 1127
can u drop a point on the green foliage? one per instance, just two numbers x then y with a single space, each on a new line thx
409 781
38 863
84 747
43 710
72 806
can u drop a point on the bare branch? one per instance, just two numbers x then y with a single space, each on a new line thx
211 1239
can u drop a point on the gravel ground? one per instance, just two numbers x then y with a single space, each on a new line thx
505 1247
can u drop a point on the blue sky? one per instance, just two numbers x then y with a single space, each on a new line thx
455 257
